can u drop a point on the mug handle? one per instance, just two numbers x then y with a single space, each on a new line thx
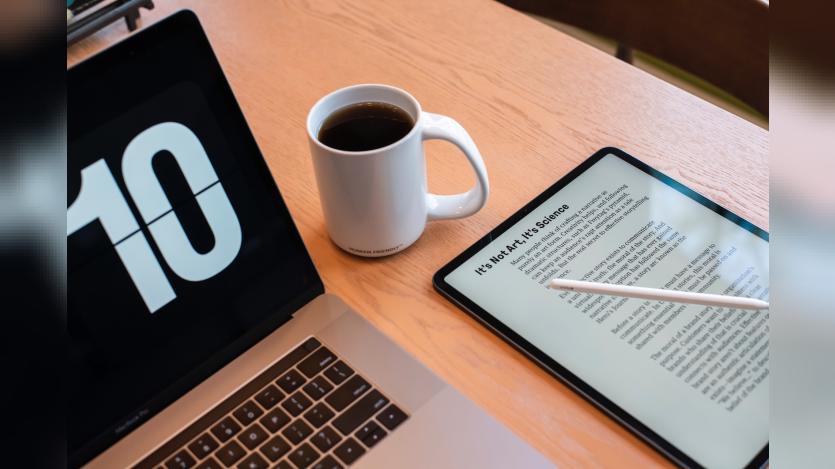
446 207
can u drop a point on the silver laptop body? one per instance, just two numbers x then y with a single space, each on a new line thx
443 429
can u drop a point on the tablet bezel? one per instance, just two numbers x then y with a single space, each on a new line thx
547 363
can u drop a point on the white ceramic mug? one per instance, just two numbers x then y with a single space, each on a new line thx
376 202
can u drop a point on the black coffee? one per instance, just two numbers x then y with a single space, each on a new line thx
365 126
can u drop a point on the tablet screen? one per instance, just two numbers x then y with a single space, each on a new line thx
695 376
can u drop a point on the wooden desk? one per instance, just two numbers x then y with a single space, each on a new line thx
536 102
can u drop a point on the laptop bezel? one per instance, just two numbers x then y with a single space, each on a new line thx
185 22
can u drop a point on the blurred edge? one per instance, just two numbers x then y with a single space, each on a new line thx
802 193
32 226
33 248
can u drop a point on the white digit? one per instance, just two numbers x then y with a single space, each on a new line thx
138 171
145 271
155 207
178 251
100 198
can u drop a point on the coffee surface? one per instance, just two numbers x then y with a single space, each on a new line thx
365 126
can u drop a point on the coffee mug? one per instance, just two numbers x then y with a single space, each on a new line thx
376 201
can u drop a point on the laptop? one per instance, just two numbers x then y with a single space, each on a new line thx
201 335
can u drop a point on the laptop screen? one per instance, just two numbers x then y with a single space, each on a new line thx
180 251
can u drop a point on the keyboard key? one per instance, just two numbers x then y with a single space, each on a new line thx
371 433
230 454
269 397
339 372
325 439
225 429
203 445
253 461
181 460
391 417
349 451
275 448
296 404
361 411
211 419
284 465
291 381
303 456
274 420
248 412
210 463
253 436
317 388
319 415
311 344
328 462
297 431
316 362
348 392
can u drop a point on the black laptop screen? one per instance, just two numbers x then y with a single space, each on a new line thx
180 252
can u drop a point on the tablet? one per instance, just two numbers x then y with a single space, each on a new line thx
691 381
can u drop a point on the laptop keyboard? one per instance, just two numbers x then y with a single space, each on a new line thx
308 410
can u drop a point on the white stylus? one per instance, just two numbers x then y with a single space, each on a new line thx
707 299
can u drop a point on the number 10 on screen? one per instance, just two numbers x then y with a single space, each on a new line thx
101 199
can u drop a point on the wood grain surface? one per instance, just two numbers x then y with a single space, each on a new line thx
536 102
